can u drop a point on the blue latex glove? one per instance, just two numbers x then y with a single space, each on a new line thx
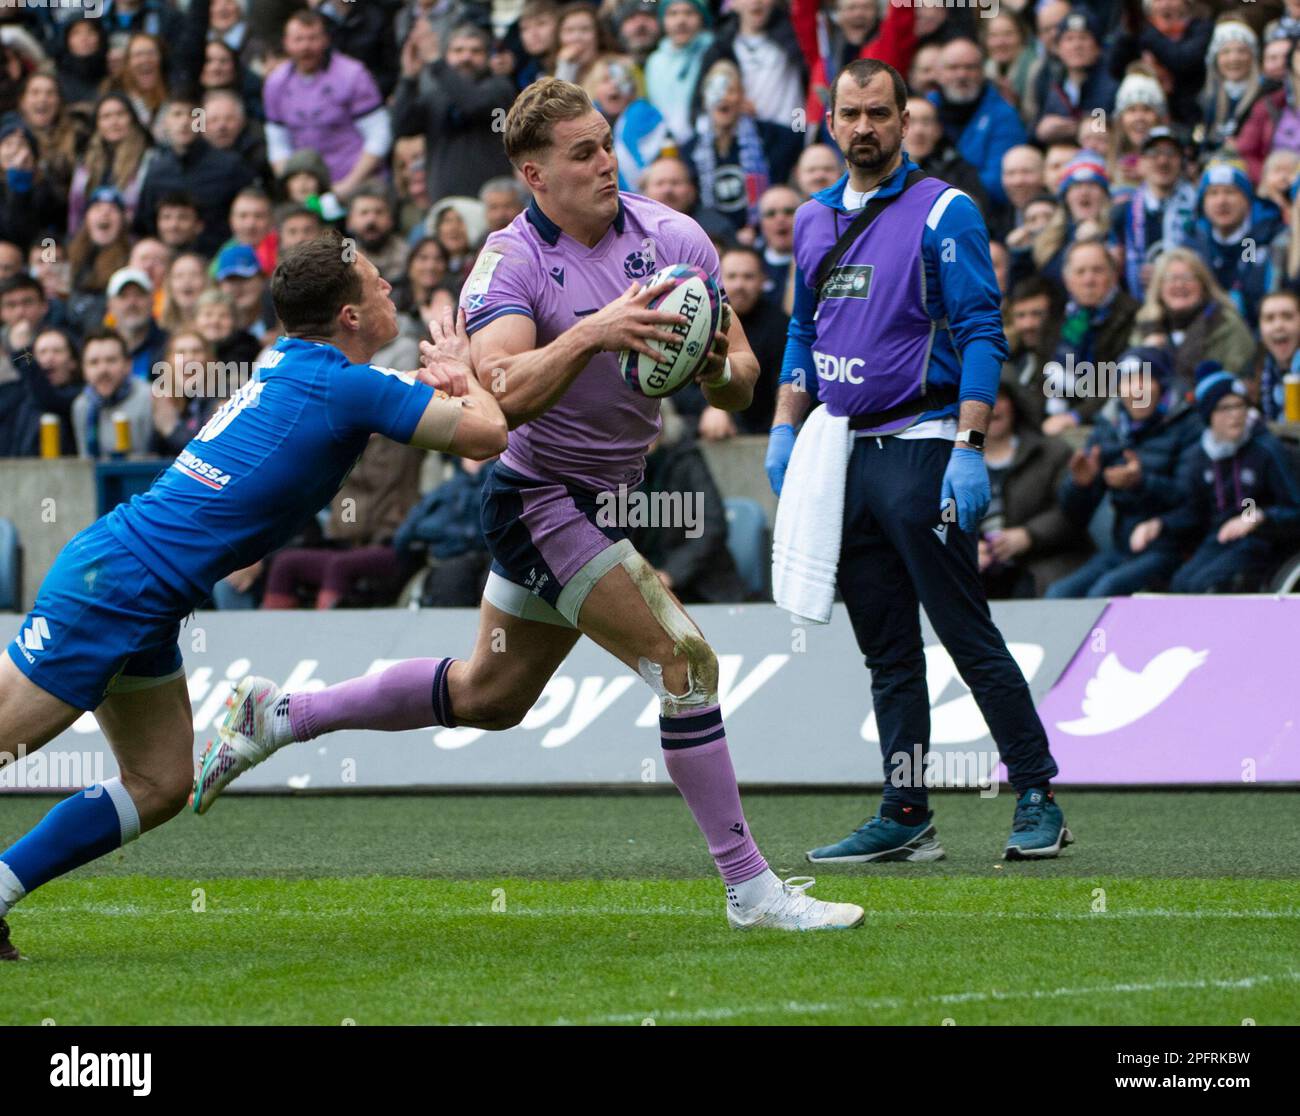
780 444
966 485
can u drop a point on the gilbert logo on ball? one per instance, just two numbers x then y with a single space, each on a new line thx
690 292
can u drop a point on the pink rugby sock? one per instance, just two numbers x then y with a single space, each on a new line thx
408 695
699 764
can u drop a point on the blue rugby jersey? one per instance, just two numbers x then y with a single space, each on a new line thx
271 457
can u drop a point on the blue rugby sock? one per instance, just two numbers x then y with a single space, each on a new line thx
78 830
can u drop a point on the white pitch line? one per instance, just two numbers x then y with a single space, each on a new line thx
945 999
133 910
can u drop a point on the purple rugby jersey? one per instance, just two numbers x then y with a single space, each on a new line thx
319 109
597 434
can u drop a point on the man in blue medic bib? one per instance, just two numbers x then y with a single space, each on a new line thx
896 312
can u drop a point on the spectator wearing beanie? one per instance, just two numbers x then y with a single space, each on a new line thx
1234 235
1243 499
1235 82
305 180
1140 108
1075 81
1176 41
1273 57
976 120
673 69
1189 315
1134 458
1084 214
1159 214
636 27
1273 123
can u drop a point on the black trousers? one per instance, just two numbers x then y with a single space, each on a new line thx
893 557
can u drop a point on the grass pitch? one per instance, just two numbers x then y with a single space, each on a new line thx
1173 908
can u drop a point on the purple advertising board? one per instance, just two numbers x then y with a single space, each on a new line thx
1182 690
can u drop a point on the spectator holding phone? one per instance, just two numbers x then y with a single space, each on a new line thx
1134 459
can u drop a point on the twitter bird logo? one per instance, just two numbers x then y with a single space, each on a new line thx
1117 696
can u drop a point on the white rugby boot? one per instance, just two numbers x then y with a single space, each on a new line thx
245 737
788 906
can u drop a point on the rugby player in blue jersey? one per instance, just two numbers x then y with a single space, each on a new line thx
104 632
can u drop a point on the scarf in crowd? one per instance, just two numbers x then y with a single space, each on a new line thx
1176 213
97 403
753 161
1271 397
1079 326
1228 99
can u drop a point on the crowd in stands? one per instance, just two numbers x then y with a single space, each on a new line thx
1137 161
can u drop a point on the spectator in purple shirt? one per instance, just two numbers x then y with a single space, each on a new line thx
327 101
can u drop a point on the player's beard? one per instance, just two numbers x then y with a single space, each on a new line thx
871 158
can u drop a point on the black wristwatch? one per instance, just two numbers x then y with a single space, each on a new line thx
972 438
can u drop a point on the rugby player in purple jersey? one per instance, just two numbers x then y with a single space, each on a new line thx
552 300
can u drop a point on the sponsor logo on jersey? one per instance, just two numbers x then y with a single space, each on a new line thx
849 281
33 637
839 369
557 273
202 471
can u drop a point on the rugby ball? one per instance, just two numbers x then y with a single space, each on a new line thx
689 291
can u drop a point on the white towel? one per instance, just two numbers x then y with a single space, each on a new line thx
810 518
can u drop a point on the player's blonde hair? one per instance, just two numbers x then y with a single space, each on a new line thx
545 103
